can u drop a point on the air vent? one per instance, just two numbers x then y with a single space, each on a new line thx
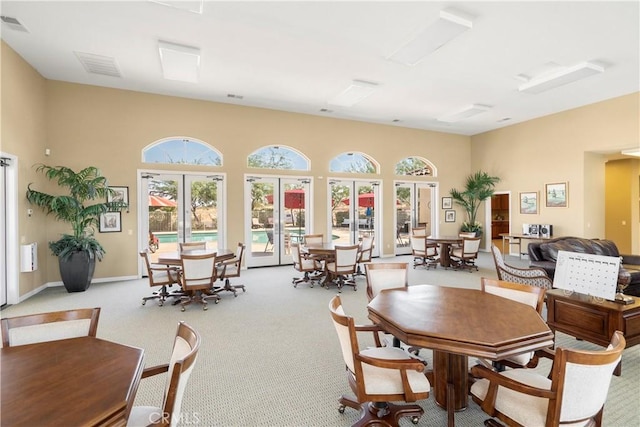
13 24
326 110
234 96
98 64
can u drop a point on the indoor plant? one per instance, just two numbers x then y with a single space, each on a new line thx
478 187
76 252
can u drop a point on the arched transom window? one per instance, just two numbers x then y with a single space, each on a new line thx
415 166
354 163
278 157
181 150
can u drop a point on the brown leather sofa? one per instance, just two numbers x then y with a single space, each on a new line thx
544 254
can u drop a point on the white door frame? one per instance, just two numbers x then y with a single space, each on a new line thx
9 230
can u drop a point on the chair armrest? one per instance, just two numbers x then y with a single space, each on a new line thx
630 259
496 379
166 269
547 353
155 370
371 328
403 364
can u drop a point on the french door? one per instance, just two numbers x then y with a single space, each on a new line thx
277 213
178 207
354 208
414 202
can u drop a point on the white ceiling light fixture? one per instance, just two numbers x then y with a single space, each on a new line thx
632 152
465 113
449 25
179 62
356 92
560 76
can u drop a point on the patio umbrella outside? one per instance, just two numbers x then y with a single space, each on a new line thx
161 202
365 200
293 199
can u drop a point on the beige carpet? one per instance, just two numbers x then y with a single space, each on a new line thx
270 357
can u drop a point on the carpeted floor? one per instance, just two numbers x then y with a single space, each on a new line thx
270 357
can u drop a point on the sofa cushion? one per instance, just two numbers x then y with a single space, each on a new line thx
585 246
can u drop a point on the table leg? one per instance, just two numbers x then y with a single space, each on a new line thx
450 382
445 259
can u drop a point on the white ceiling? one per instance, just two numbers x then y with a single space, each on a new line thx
295 56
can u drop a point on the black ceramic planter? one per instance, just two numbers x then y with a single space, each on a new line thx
77 271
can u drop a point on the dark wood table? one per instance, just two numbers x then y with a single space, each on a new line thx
445 243
173 258
73 382
457 323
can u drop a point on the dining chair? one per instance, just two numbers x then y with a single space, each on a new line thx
198 277
377 375
528 295
229 269
342 266
364 254
183 359
532 276
163 276
193 246
424 253
306 265
464 257
419 231
574 393
313 239
269 244
52 326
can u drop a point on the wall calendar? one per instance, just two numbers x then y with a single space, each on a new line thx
588 274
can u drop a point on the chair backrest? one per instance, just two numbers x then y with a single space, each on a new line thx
470 246
193 246
313 239
345 327
419 231
42 327
346 258
581 379
198 271
232 268
366 249
385 275
533 276
497 259
529 295
418 244
467 234
183 359
159 275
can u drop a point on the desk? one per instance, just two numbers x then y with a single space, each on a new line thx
73 382
457 323
519 238
445 243
173 258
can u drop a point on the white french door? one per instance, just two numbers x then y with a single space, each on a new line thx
414 202
9 249
277 213
179 207
354 211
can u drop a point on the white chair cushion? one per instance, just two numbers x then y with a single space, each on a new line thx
524 409
142 416
388 381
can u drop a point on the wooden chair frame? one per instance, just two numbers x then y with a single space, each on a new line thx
173 277
199 292
365 254
185 246
466 259
236 264
298 265
423 251
338 272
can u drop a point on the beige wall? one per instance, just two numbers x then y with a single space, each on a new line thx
621 203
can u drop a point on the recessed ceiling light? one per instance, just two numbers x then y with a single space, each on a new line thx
179 62
356 92
465 113
560 76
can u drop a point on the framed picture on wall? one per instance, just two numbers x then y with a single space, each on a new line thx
529 202
119 194
110 222
450 216
557 194
447 203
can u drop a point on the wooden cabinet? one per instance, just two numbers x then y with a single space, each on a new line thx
498 227
500 202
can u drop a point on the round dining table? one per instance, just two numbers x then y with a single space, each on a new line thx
445 243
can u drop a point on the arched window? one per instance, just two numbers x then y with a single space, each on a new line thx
278 157
181 150
354 163
415 166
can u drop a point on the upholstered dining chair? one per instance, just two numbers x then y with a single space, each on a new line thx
306 265
163 276
52 326
198 277
573 394
377 375
364 254
313 239
185 246
183 358
231 268
464 257
423 253
525 294
419 231
342 267
533 276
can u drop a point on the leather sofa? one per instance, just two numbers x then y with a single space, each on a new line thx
544 254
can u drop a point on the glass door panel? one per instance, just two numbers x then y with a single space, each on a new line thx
413 209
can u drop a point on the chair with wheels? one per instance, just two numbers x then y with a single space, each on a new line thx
364 254
181 364
424 253
52 326
305 265
198 277
465 256
161 275
341 268
229 269
378 375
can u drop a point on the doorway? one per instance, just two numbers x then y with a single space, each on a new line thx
277 214
9 292
413 202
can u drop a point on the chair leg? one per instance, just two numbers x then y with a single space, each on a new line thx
229 287
306 279
381 413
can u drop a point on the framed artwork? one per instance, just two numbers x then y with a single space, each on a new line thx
447 203
557 195
529 202
111 222
450 216
120 194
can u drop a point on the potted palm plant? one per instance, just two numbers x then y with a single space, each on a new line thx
478 187
77 252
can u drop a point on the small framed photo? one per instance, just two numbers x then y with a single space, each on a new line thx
118 195
557 195
450 216
447 203
529 202
111 222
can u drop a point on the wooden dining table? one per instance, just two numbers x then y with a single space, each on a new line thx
173 258
456 323
83 381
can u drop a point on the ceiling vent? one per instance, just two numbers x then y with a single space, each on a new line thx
13 24
98 64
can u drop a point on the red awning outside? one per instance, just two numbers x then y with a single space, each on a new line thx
161 202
